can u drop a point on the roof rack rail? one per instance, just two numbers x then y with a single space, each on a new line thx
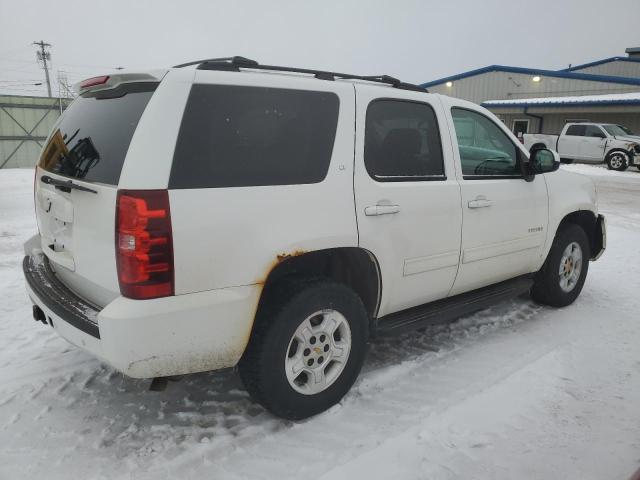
238 61
234 64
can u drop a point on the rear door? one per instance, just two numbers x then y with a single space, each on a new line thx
407 196
87 147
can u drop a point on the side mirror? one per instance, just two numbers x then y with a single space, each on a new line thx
544 160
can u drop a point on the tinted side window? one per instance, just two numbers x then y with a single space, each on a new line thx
402 141
593 131
91 140
485 150
576 130
235 136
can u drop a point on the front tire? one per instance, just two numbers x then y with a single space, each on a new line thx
307 347
618 161
562 276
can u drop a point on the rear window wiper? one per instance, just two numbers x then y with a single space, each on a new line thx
65 186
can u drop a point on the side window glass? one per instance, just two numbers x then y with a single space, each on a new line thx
238 136
593 131
402 142
576 131
485 150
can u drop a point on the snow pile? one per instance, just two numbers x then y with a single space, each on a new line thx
609 98
515 391
631 174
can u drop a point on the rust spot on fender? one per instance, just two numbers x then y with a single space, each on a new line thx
284 256
260 282
280 257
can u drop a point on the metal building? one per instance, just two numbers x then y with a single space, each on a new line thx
532 100
25 123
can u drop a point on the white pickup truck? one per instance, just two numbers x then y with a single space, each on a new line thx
591 143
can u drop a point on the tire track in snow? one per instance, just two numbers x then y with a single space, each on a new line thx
387 400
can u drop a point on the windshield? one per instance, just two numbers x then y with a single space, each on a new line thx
92 138
617 130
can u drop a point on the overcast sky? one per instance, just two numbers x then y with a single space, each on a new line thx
416 41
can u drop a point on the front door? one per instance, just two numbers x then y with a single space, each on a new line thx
593 143
407 196
504 217
570 144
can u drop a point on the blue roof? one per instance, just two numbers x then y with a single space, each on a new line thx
535 71
600 62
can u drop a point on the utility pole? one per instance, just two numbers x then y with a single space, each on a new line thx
44 55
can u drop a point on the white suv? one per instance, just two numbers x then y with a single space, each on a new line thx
227 213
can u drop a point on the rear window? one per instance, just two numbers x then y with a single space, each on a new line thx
233 136
92 138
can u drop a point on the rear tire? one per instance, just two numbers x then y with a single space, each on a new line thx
307 348
567 161
562 276
618 161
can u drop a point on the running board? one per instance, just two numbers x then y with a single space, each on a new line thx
452 308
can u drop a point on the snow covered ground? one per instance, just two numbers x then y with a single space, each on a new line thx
517 391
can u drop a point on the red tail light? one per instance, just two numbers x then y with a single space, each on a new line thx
93 81
144 246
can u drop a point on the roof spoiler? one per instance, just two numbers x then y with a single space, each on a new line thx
107 82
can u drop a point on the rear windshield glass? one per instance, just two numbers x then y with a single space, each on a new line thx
233 136
93 135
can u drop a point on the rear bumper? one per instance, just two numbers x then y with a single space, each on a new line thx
149 338
43 283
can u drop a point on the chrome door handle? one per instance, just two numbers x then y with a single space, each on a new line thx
381 210
480 202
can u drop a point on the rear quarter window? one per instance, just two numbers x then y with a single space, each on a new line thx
92 138
236 136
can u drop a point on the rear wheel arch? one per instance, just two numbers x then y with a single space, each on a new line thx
354 267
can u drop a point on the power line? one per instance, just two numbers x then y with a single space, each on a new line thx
69 65
20 80
34 71
12 50
44 55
